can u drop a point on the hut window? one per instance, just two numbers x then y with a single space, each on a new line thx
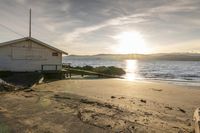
54 54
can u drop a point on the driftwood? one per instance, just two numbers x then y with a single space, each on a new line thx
197 120
4 87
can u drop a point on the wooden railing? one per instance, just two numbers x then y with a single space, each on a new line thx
51 67
70 71
66 65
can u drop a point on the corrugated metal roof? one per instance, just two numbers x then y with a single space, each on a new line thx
34 40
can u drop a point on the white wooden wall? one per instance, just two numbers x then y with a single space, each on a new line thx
27 56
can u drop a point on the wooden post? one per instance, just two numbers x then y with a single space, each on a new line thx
196 119
30 24
67 74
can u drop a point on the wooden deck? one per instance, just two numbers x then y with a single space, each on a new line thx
71 71
68 72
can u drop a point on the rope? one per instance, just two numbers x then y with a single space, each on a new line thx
11 30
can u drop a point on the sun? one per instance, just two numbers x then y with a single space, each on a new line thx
131 42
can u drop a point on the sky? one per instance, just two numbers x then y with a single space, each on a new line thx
87 27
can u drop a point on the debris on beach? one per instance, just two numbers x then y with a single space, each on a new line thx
147 113
61 97
29 90
86 101
112 97
4 87
28 95
121 98
181 110
156 89
169 108
143 101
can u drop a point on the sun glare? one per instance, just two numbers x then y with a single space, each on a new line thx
131 70
131 42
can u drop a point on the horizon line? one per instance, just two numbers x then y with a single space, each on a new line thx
134 53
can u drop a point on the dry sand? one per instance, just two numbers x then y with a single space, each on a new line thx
106 105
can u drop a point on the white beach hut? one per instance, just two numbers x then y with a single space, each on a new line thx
28 55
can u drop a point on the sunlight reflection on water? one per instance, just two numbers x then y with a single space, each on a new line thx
131 70
175 71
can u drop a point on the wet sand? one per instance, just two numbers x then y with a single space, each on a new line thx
106 105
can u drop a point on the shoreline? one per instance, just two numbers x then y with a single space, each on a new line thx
194 84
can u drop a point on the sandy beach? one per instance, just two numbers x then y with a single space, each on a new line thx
100 105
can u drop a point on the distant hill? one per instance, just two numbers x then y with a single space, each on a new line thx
171 56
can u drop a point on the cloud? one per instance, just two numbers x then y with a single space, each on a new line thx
21 1
91 22
69 37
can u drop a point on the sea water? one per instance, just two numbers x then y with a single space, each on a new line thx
174 71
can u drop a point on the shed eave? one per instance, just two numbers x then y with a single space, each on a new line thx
34 40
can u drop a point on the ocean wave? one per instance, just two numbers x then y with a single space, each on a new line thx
158 75
191 75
